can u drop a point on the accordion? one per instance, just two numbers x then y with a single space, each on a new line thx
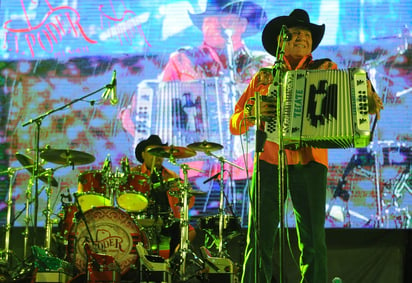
323 109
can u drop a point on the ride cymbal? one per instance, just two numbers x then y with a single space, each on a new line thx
67 156
28 163
205 146
172 151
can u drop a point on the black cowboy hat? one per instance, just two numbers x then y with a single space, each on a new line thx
141 146
254 14
298 17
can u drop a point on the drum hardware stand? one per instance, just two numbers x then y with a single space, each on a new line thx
4 254
27 219
48 211
184 250
222 161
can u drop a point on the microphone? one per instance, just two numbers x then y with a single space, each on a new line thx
125 165
228 32
107 165
211 178
69 196
111 90
287 35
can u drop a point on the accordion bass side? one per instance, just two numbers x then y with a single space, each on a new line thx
323 109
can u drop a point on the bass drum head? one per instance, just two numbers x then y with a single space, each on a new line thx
114 233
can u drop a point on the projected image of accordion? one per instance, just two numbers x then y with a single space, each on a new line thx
184 112
323 109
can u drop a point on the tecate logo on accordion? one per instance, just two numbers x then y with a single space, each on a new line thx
323 109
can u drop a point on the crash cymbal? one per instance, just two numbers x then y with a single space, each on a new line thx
28 163
66 156
172 151
205 146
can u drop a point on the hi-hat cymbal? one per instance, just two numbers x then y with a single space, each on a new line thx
28 163
172 151
67 156
205 146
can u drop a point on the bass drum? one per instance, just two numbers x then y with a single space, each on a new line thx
114 233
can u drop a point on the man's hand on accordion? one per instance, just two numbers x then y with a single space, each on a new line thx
374 101
267 109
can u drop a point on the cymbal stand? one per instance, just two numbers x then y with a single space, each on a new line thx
48 211
6 250
184 250
27 218
222 161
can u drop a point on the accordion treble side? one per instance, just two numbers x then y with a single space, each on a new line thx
323 109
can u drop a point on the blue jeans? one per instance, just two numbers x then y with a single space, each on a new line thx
307 187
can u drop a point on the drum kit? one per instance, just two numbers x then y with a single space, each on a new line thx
114 210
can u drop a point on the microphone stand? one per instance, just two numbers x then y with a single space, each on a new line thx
255 195
278 76
38 120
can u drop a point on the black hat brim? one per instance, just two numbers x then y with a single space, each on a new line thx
272 30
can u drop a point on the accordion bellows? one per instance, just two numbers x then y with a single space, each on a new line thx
323 109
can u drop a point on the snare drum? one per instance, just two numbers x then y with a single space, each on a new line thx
132 193
114 233
93 191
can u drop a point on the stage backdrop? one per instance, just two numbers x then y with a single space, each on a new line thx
55 53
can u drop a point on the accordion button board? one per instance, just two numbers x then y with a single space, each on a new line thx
323 109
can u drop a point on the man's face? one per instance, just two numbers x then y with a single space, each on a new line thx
151 160
301 43
214 28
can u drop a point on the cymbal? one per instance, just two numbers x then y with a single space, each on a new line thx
205 146
190 193
28 163
196 193
66 156
172 151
